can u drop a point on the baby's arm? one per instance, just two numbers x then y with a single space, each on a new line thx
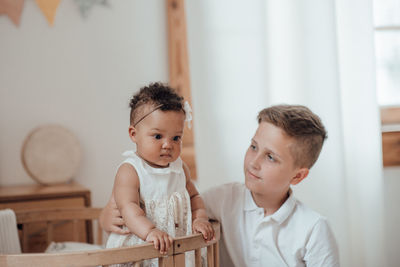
126 193
200 221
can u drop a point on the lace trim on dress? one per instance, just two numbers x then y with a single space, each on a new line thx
171 215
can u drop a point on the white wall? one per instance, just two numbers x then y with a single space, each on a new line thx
80 74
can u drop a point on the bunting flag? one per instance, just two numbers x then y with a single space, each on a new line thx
49 8
86 5
13 9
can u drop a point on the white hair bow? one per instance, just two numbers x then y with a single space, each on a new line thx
188 112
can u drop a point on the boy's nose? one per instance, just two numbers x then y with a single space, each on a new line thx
255 162
254 165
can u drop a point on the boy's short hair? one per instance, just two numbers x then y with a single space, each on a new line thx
158 95
300 123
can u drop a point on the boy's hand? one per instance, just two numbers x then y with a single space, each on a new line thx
160 239
111 220
203 226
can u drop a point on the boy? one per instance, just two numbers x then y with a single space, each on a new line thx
262 223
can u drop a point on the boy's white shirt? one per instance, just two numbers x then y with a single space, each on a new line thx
294 235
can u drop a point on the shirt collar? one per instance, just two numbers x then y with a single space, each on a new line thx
280 215
249 203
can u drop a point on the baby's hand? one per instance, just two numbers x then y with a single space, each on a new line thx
160 239
202 225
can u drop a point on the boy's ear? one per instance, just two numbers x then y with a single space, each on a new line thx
132 133
300 175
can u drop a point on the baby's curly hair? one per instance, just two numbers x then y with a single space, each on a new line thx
155 94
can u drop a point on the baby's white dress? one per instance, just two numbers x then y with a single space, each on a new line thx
164 199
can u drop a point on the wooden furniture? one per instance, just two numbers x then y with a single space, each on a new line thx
179 76
390 115
52 217
391 148
32 197
390 118
175 256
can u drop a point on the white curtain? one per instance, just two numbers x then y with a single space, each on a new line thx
246 55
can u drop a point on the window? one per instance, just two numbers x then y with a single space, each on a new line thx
387 50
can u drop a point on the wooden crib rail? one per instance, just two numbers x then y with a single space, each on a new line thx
175 255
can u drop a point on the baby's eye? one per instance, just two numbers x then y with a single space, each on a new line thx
157 136
177 138
252 147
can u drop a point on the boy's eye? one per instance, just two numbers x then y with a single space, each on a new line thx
157 136
252 147
177 138
270 157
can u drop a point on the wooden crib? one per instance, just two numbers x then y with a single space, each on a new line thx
103 257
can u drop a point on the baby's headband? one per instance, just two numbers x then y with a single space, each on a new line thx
186 108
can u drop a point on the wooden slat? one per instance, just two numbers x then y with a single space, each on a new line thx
99 234
75 227
40 192
179 260
50 231
179 76
197 257
210 256
166 262
25 236
189 157
57 214
216 254
44 204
